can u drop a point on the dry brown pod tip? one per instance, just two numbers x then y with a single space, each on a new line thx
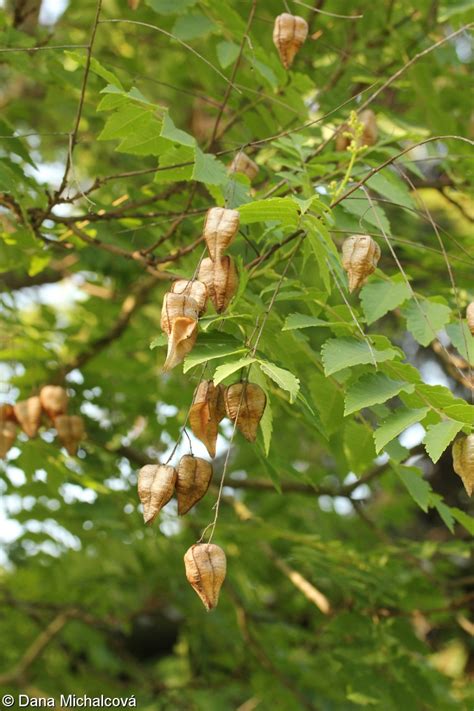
470 317
221 279
70 429
289 33
245 165
54 400
463 461
6 412
133 4
220 227
245 402
206 565
7 436
179 317
156 484
369 134
193 288
207 410
360 255
28 415
194 477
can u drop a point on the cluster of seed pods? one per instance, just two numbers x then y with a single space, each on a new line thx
27 414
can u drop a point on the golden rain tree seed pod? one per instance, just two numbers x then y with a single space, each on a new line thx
289 33
177 306
470 317
360 255
156 484
206 565
245 402
28 415
70 429
179 317
53 400
7 436
220 228
221 279
207 410
6 413
463 461
245 165
194 477
193 288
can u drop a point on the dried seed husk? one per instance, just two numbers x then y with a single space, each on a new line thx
176 306
360 255
6 413
194 477
220 228
206 565
221 279
369 134
245 165
28 415
245 402
70 429
54 400
207 410
180 341
289 33
7 436
470 317
463 461
156 484
133 4
193 288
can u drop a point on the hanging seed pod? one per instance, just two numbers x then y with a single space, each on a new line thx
206 412
193 288
221 279
205 565
179 317
7 436
360 255
70 429
177 306
6 413
289 33
156 483
28 415
470 317
53 400
248 401
194 477
245 165
220 228
463 461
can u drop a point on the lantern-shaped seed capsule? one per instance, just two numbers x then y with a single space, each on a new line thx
205 565
28 415
245 403
289 33
194 477
70 429
463 461
54 400
7 436
221 279
245 165
220 228
360 255
470 317
206 412
193 288
177 306
156 484
179 317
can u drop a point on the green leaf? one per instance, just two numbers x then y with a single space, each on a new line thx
283 378
96 67
462 339
425 319
174 134
389 185
395 424
463 518
380 297
446 514
211 346
417 487
439 436
266 423
297 321
159 341
227 53
372 389
192 25
14 144
207 169
283 210
441 398
223 371
170 7
329 401
175 165
339 353
366 213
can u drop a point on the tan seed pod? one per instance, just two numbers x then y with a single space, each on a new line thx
7 436
369 134
194 477
180 341
463 461
177 306
206 565
360 255
156 484
245 165
470 317
207 410
70 429
54 400
289 33
193 288
221 279
220 228
245 402
6 413
28 415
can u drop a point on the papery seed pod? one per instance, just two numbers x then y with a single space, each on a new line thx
6 413
53 400
7 436
245 165
289 33
221 279
70 429
193 288
177 306
180 341
463 461
470 317
28 415
206 565
194 477
360 255
156 484
220 228
207 410
248 401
